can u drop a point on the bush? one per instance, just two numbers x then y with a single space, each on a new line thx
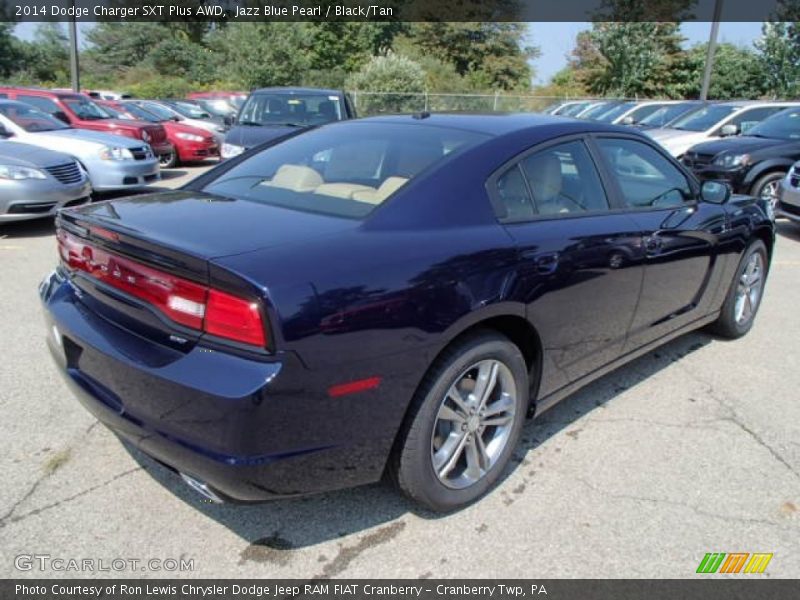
401 77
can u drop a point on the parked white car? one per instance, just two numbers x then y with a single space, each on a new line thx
113 162
717 120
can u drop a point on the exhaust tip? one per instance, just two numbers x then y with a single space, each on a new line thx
201 488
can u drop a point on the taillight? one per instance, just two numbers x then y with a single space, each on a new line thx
185 302
234 318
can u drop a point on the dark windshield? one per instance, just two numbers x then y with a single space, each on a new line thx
85 109
145 115
668 113
290 109
784 125
609 115
343 170
191 111
159 111
29 118
637 114
704 119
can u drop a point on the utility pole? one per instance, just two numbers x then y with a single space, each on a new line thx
712 47
74 67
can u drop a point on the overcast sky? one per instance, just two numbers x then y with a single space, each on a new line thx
556 40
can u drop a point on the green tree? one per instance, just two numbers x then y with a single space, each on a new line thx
120 45
9 49
490 55
399 75
779 53
737 73
46 58
263 54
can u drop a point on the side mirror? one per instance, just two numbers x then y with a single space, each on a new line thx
715 192
5 133
228 120
61 116
728 130
627 120
175 118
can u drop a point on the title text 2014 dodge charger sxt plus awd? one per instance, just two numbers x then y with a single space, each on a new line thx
390 295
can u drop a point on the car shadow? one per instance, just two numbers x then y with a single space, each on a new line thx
167 174
28 229
788 229
274 529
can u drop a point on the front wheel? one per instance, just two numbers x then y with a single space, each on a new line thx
744 296
168 160
464 424
767 187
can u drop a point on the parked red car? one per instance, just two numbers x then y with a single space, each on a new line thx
82 112
190 143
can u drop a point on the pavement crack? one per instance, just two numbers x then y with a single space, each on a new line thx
10 517
675 503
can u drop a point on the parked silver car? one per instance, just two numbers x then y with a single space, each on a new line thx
789 195
113 162
35 182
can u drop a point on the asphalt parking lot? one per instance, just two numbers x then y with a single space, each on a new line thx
693 448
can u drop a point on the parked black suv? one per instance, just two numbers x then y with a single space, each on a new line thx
271 112
754 163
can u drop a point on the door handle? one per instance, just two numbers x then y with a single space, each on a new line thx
546 263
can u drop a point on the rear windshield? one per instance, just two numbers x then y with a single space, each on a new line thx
343 170
290 109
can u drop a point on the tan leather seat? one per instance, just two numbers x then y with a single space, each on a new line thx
544 172
297 178
342 190
386 189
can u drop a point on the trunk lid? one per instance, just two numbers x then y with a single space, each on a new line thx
204 225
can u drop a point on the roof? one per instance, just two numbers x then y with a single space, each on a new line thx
297 90
495 124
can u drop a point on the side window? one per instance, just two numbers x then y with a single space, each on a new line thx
563 179
747 119
514 201
646 178
3 95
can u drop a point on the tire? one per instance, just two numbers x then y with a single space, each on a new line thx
169 160
767 181
431 430
728 325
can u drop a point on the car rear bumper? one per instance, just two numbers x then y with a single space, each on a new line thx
124 174
32 199
251 430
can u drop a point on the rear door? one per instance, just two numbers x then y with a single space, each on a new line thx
579 262
680 234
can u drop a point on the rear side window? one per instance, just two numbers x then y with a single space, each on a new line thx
559 180
344 170
563 179
645 177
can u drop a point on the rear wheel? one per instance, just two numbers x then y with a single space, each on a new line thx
767 187
168 160
464 424
744 296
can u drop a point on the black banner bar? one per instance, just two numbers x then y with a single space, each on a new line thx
740 587
232 11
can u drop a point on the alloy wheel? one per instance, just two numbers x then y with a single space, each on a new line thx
473 424
770 192
748 290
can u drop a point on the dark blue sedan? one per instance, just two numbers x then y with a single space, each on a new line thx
390 296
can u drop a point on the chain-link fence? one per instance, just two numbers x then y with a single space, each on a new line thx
370 103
